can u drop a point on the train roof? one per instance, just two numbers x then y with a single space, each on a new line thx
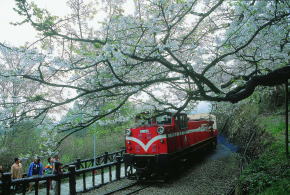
201 116
158 113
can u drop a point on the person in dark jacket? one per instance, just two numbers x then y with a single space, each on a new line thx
57 169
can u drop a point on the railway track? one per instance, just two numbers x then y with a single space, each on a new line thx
129 189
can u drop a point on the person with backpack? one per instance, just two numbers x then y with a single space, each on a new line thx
35 169
49 167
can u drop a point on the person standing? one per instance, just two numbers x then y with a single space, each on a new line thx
16 169
35 169
1 171
57 169
48 169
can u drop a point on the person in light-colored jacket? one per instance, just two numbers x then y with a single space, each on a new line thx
16 169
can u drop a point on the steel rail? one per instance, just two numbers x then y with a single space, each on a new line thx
133 192
127 187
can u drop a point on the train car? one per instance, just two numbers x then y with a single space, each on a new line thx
159 140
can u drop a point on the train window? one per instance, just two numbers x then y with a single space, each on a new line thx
141 122
142 119
204 127
183 121
163 119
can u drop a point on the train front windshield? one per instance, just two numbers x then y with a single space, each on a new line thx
143 119
163 119
147 120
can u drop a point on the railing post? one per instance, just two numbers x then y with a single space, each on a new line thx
84 182
58 185
118 168
93 177
36 187
286 119
102 176
106 158
72 179
6 179
48 187
78 165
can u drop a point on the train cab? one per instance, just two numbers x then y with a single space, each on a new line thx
158 139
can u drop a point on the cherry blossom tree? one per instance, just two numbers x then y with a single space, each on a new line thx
167 54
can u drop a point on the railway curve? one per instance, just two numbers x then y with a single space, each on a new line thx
213 172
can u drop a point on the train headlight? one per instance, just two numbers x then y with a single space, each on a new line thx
160 130
128 132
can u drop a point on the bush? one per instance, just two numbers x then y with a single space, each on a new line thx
271 170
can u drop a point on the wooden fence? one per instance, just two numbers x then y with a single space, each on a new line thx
102 159
78 169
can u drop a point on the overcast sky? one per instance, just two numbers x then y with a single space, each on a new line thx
11 34
19 35
202 107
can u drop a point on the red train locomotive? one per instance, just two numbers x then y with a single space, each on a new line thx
156 142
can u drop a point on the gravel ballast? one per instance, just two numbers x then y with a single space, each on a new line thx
214 173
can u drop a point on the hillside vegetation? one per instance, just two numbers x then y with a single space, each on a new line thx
257 126
269 173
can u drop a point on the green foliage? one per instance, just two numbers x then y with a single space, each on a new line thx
21 140
271 168
36 98
280 187
270 171
180 1
273 124
97 45
26 140
77 146
44 21
109 133
259 116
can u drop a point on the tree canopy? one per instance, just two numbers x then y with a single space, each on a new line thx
167 54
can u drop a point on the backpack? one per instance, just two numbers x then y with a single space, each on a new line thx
35 169
48 169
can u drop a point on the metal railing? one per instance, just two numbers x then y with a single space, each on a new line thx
80 169
102 159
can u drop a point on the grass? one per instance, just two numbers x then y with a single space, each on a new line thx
275 125
270 173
